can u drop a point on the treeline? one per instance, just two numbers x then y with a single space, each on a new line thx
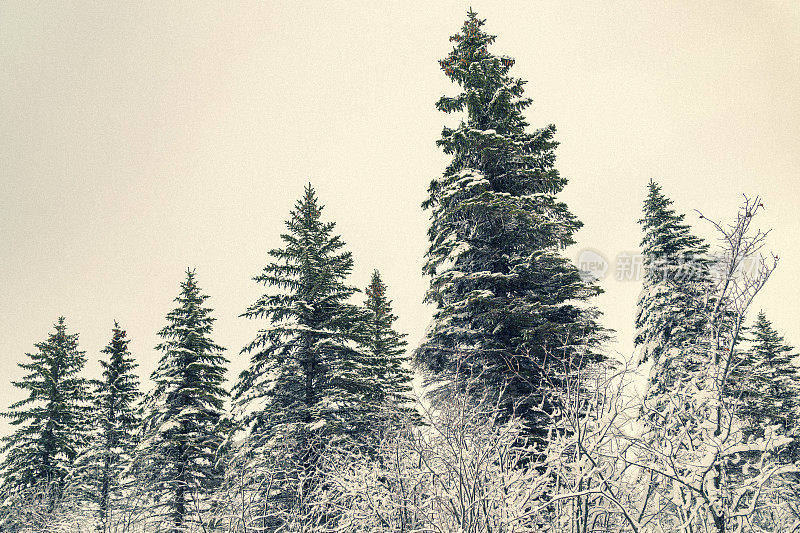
527 423
321 371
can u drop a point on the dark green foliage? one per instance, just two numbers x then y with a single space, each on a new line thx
510 309
324 374
386 349
307 374
183 429
310 382
768 385
677 294
51 421
114 426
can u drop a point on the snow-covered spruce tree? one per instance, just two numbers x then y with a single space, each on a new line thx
509 307
177 458
386 348
706 474
51 421
675 291
769 384
309 381
115 425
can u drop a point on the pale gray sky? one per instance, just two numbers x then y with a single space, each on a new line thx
139 139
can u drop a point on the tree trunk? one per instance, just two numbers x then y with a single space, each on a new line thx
179 508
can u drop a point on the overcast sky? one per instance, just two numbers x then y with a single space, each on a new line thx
139 139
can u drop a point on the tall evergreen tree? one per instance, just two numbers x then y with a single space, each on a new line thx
386 348
183 429
308 377
115 424
510 309
675 294
51 421
769 384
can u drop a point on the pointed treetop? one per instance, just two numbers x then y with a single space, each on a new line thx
376 283
117 348
307 209
191 282
770 344
493 99
665 232
309 199
657 199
